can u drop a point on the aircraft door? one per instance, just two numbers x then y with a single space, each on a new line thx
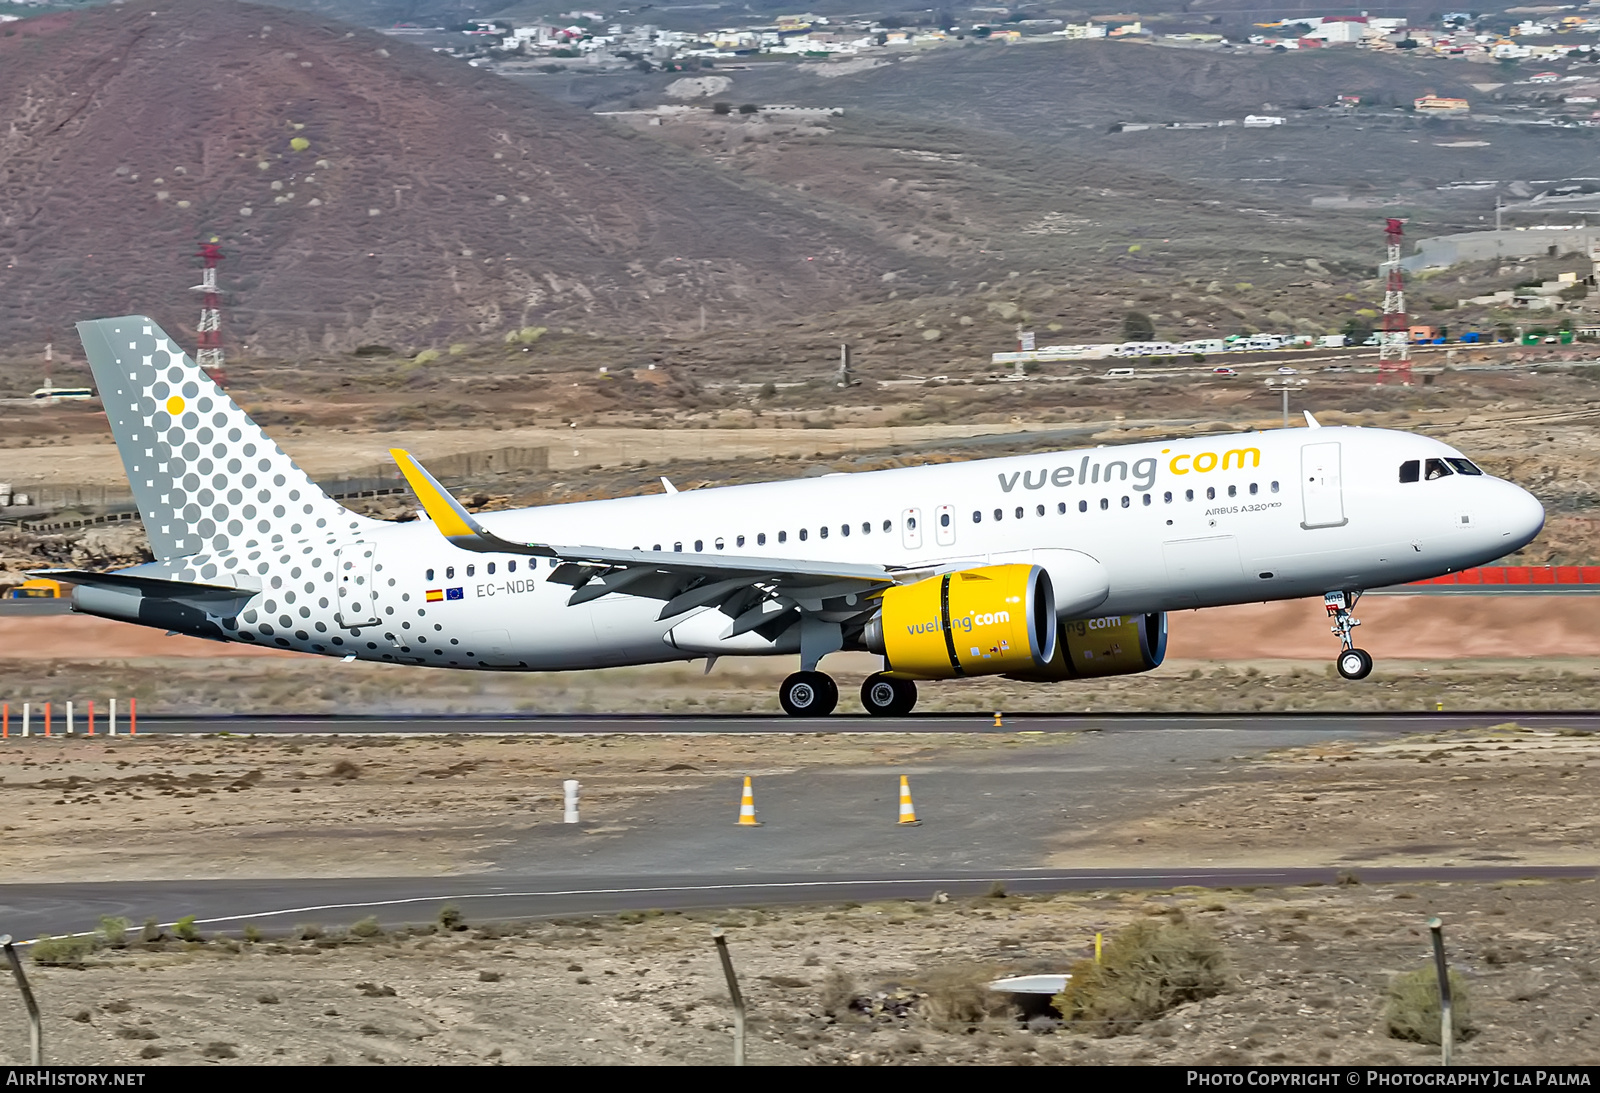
911 529
944 525
1321 488
357 597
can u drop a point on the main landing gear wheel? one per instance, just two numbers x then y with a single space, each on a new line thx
885 697
808 694
1355 663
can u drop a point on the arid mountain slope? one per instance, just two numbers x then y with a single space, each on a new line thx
364 190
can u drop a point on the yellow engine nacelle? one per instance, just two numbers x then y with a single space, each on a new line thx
1116 645
973 622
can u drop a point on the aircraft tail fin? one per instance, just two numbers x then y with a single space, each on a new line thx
205 477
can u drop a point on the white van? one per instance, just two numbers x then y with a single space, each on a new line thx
48 395
1204 345
1119 373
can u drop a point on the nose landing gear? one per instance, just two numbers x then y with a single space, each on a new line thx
1352 663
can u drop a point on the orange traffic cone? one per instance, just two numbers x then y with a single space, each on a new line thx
908 814
747 807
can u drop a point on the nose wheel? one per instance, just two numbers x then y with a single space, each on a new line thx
1352 663
808 694
885 697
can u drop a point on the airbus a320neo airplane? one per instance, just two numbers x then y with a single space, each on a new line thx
1040 567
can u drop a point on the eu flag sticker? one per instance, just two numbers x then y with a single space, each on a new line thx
453 594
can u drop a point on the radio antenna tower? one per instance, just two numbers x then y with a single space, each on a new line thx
1394 343
209 356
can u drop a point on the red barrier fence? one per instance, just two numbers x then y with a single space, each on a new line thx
1555 575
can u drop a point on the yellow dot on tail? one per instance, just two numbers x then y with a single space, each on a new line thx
175 406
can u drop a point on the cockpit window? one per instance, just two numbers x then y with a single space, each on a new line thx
1464 466
1437 468
1411 470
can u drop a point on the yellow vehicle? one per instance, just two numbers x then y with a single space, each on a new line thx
38 589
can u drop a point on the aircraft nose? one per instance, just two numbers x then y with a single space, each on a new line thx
1520 516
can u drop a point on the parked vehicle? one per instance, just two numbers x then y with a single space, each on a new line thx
37 589
1119 373
1223 372
1334 341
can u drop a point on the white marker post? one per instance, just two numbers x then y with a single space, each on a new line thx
69 717
569 813
111 718
27 711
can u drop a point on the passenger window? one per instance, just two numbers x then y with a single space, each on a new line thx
1464 466
761 538
977 517
944 519
999 513
1083 506
1254 489
822 531
678 547
491 567
449 572
1147 500
1019 512
888 525
844 529
699 545
720 543
1211 493
1188 495
1041 510
866 527
1274 487
804 535
1167 497
1124 500
1061 507
911 523
654 546
471 569
1411 470
1105 504
1436 468
783 536
739 541
511 566
1233 491
430 574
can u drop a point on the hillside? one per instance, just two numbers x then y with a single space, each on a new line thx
364 190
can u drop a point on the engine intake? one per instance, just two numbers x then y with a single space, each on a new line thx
972 622
1115 645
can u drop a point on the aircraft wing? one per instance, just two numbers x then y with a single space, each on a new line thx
743 587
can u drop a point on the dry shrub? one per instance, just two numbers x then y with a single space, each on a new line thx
838 991
1145 970
1411 1010
958 995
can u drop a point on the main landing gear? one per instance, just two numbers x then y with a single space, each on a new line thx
815 694
808 694
1352 663
885 697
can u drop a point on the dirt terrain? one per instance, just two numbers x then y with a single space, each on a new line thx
886 982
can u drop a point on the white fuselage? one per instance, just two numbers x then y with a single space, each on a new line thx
1176 524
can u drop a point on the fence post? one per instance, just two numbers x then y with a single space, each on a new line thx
1447 1031
69 717
111 719
27 711
91 717
569 803
133 717
47 719
5 721
735 994
35 1025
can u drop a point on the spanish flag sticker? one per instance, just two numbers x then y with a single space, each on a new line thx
435 595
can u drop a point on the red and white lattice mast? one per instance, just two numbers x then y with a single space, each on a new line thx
1394 341
209 356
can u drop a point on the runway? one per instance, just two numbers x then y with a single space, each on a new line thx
710 724
280 905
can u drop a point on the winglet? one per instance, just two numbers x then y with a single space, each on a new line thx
454 522
670 488
1311 422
